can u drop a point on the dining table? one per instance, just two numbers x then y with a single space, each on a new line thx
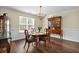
37 36
47 44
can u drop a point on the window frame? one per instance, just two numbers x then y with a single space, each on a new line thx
26 24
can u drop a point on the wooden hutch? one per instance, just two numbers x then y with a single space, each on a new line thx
54 24
4 45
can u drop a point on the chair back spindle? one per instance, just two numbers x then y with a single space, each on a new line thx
26 35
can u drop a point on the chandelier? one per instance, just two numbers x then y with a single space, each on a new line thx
40 14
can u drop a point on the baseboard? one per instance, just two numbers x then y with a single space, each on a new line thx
70 40
17 39
66 39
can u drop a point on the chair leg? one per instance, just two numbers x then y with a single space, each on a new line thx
32 44
8 48
28 47
25 44
47 42
37 42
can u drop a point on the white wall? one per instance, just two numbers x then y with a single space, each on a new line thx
70 24
14 18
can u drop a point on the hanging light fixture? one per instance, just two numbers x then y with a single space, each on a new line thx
41 15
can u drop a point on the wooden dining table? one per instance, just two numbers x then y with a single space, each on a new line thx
37 36
48 43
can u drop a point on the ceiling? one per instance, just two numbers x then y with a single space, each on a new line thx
45 9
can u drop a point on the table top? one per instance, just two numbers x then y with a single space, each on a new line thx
38 33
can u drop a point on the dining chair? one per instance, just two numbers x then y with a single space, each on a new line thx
44 37
33 30
28 39
47 38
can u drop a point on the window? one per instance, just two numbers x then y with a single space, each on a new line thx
25 23
8 28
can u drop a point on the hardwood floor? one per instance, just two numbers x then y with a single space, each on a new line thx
62 46
18 47
56 46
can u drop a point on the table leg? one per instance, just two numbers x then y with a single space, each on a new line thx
37 41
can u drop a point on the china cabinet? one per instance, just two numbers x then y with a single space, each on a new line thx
54 24
4 33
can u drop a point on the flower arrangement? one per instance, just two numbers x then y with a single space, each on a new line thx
39 28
